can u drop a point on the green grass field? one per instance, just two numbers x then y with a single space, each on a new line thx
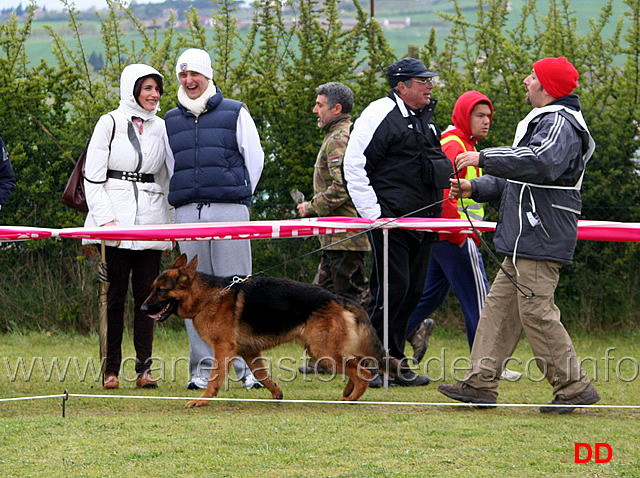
136 437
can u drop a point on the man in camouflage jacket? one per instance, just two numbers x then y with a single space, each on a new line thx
342 268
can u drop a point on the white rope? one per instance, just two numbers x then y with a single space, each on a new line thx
32 398
327 402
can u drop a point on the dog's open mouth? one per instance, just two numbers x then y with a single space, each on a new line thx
166 311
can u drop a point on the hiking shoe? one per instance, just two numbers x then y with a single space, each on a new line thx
410 379
588 396
196 383
250 382
110 382
511 375
419 340
145 380
464 392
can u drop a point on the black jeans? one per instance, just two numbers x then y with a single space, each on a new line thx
144 267
408 263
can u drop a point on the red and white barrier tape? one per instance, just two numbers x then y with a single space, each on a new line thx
587 230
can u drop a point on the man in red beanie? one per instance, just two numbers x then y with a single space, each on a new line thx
538 182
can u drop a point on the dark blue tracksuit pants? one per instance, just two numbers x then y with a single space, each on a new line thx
457 268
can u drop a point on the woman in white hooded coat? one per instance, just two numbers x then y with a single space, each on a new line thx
126 183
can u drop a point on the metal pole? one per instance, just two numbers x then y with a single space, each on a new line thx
385 310
64 403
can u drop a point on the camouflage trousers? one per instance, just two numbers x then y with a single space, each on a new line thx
344 273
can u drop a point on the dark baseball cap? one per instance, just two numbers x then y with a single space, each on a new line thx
407 68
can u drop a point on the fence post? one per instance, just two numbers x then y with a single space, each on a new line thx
385 295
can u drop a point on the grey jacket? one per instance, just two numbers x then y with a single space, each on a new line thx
538 182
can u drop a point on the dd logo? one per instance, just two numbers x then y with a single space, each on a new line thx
598 457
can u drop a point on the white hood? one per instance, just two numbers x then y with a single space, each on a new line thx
128 80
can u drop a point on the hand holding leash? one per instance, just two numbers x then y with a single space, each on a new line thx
458 186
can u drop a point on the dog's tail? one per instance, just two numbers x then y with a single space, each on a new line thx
370 346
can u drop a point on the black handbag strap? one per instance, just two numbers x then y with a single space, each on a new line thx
113 131
113 134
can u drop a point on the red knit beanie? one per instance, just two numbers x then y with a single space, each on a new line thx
557 76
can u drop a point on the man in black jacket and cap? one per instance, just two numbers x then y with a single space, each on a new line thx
394 166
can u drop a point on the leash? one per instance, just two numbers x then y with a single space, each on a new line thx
237 280
519 287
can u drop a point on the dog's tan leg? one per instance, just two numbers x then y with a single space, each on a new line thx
223 353
359 378
348 388
261 373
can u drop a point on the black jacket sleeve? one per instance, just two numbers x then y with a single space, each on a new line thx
7 177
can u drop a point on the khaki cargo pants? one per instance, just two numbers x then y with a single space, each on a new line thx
507 313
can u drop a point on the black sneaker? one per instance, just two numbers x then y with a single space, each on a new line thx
419 340
410 379
376 381
312 368
307 369
464 392
588 396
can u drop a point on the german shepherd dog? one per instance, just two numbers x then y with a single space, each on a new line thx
245 318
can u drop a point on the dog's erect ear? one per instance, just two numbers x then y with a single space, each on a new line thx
187 273
192 267
179 262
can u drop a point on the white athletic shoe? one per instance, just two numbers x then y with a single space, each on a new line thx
196 383
511 375
250 382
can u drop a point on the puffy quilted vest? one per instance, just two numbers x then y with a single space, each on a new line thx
208 166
